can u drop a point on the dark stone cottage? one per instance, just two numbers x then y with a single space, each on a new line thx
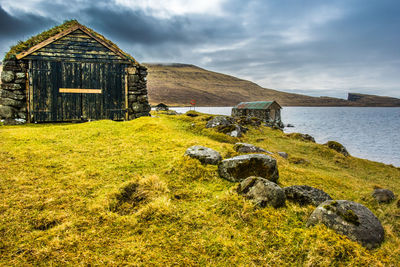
267 111
71 73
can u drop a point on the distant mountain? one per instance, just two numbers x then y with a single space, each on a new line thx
177 84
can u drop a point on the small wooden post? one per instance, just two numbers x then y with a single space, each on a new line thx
126 96
30 85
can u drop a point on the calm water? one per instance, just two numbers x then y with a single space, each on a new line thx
371 133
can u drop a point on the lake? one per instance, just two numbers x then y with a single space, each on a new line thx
367 132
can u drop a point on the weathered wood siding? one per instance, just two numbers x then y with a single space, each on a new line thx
49 104
77 47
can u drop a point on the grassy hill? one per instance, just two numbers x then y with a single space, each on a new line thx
116 193
178 84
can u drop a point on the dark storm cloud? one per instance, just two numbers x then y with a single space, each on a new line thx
312 45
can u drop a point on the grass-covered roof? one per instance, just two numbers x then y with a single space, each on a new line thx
22 46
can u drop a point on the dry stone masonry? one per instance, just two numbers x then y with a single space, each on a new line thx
138 105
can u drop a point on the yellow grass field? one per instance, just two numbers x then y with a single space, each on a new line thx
123 193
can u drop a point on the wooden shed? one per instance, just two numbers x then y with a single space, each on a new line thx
71 73
267 111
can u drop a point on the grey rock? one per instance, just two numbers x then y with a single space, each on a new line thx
16 95
11 102
142 98
140 107
305 195
238 131
238 168
351 219
249 148
7 76
220 121
283 155
19 75
383 195
262 192
337 147
19 81
11 86
204 154
289 125
6 112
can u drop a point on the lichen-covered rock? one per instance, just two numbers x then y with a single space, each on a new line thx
204 154
6 112
337 147
7 76
303 137
283 155
11 102
305 195
262 192
249 148
349 218
238 168
383 195
11 86
221 122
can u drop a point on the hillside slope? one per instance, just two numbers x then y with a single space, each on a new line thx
123 193
178 84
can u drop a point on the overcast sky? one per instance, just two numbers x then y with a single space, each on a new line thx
316 47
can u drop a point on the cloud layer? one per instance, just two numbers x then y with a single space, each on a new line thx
311 46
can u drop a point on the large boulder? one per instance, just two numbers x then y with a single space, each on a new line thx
262 192
306 195
383 195
338 147
249 148
204 154
238 168
349 218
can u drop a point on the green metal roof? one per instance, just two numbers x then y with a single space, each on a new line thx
255 105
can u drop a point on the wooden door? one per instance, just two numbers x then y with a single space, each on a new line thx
68 91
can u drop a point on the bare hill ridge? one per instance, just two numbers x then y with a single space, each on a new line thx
177 84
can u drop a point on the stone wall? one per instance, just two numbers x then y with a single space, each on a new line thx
138 104
13 93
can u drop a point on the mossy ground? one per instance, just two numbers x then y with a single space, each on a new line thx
68 195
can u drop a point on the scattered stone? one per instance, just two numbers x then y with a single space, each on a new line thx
7 76
238 168
306 195
237 132
304 137
249 148
289 125
204 154
262 192
383 195
337 147
283 155
220 122
349 218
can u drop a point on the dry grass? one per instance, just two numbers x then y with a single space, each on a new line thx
59 184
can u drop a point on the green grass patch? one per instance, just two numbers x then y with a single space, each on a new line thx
115 193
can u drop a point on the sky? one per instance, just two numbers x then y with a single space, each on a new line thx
313 47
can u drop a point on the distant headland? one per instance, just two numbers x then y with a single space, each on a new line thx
177 84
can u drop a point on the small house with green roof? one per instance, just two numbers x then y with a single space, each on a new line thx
267 111
71 73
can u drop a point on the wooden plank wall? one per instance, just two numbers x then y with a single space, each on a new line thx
77 47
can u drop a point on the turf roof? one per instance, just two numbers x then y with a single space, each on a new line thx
37 39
